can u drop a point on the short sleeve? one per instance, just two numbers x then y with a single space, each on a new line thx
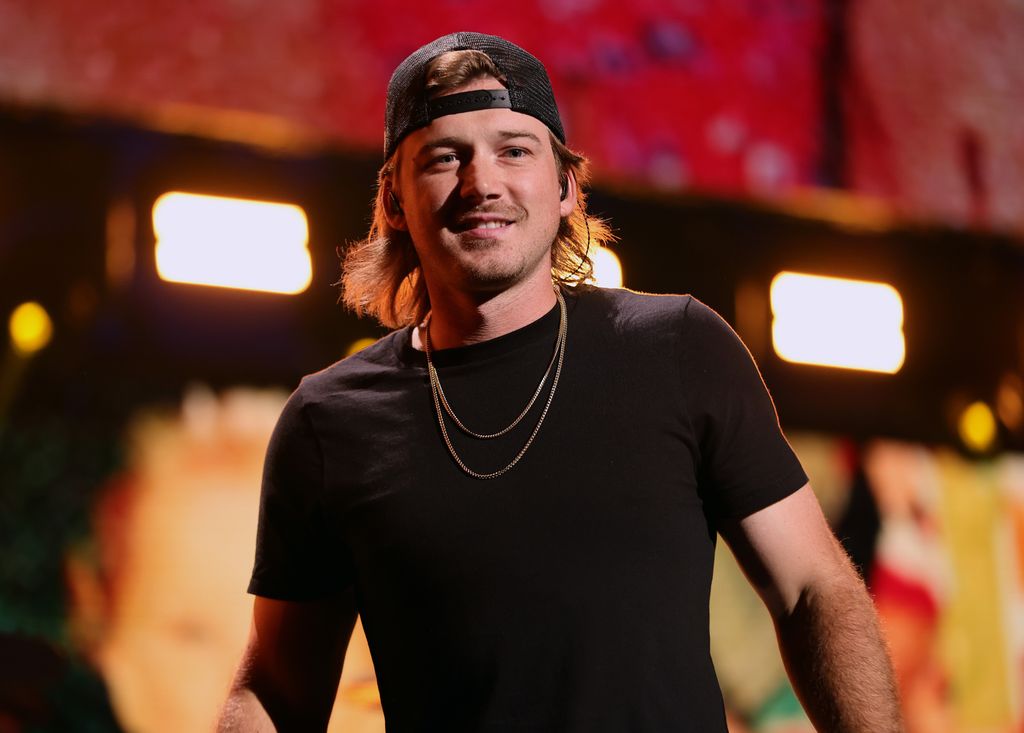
745 462
297 558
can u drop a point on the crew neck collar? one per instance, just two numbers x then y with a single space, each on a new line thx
539 330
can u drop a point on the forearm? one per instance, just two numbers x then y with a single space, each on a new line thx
261 704
837 660
244 713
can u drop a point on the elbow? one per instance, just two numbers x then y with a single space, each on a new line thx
835 584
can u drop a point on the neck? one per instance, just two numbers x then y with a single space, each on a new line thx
460 319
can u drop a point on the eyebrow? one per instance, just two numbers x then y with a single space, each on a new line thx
454 142
511 134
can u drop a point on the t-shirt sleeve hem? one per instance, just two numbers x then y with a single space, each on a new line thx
766 495
278 593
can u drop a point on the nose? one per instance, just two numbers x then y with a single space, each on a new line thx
479 180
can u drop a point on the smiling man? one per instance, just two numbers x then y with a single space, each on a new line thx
520 488
481 199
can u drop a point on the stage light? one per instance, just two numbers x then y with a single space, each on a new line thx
607 268
232 243
831 321
977 426
30 327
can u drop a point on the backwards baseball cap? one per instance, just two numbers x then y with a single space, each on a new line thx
527 88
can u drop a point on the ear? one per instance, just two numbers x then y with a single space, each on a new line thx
568 201
393 211
88 603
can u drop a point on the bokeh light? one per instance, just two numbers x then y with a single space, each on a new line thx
1010 401
232 243
30 328
358 345
831 321
977 427
607 268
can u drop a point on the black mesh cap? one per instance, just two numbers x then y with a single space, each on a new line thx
529 89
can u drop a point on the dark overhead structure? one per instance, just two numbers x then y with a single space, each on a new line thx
76 236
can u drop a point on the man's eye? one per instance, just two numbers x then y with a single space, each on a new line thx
517 152
444 159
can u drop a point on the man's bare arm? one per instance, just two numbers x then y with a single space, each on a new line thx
826 624
289 674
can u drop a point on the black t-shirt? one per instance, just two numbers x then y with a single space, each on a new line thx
570 594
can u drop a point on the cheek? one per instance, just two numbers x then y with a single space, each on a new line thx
428 203
551 207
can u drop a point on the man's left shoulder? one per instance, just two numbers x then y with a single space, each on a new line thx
631 309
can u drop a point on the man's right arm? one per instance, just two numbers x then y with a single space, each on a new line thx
289 674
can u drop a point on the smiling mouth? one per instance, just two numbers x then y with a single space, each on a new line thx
476 225
489 219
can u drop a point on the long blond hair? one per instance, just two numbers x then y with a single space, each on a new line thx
381 274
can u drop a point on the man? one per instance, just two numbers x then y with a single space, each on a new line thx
519 490
154 597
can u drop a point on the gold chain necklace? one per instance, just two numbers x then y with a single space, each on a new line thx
441 405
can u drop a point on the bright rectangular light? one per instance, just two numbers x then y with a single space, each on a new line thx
831 321
232 243
607 268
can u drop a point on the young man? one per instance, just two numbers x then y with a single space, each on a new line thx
519 490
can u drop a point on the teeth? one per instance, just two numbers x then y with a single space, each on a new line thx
491 225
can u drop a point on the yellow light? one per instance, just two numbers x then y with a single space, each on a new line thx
30 327
232 243
978 427
831 321
607 268
358 345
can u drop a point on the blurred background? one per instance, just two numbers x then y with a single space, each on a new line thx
841 179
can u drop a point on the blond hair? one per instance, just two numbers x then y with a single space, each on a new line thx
381 274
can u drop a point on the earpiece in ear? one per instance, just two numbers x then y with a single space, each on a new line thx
395 206
565 187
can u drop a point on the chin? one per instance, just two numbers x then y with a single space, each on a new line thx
491 280
484 267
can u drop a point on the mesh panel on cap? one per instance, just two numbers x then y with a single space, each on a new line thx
526 79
